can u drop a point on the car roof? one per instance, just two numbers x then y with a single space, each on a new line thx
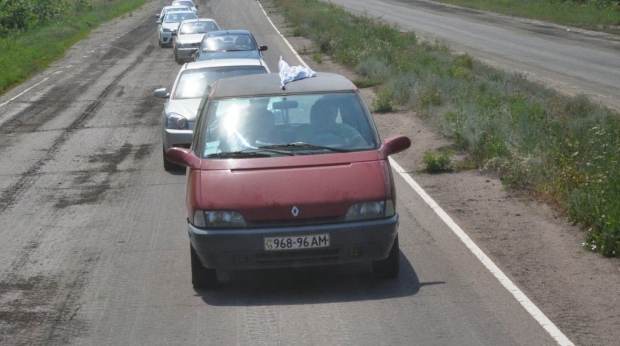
181 1
270 84
165 8
191 20
224 62
228 32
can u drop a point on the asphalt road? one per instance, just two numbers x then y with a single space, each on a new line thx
568 59
94 249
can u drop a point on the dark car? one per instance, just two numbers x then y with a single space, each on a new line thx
226 44
288 177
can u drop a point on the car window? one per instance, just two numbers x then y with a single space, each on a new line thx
338 121
197 28
178 17
240 42
193 83
183 3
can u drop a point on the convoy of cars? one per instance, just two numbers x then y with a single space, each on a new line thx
277 175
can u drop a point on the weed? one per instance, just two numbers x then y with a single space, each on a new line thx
436 163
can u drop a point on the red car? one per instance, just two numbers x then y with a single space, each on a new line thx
288 176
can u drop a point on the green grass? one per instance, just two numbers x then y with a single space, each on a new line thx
601 15
23 54
563 149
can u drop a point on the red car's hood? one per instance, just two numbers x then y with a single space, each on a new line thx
268 188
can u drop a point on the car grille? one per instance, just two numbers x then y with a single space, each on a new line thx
294 222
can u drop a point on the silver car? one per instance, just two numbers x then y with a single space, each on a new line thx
170 23
189 35
182 102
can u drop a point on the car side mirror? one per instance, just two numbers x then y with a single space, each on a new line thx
394 145
174 33
262 48
183 157
162 93
158 22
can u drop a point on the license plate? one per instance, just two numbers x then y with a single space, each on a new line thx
296 242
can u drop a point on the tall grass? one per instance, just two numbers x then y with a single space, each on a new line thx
602 15
564 149
24 52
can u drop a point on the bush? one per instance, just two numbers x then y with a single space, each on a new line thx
436 163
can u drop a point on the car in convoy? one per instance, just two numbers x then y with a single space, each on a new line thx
188 3
170 23
165 9
227 44
179 113
287 177
188 36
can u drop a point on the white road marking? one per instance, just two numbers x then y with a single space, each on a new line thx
529 306
533 310
23 92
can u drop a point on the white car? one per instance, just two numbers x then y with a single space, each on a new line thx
170 23
188 3
189 35
165 9
179 114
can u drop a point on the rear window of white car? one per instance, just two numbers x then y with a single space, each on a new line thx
193 83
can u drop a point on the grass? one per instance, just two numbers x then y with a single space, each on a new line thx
563 149
601 15
24 54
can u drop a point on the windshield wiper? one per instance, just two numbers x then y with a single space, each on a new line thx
303 146
238 154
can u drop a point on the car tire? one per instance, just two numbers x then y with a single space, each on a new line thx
388 268
201 277
176 58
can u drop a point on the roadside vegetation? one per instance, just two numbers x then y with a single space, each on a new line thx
600 15
33 33
563 149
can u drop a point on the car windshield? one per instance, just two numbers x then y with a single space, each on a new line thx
285 126
228 43
176 17
193 83
183 3
198 27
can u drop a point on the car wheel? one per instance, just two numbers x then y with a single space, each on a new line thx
388 268
159 42
201 277
176 57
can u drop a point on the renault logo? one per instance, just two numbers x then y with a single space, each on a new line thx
295 211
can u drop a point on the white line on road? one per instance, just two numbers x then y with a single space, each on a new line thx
533 310
23 92
529 306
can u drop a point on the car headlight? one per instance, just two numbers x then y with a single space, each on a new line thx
218 219
370 210
177 122
166 30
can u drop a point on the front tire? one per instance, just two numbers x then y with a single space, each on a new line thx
201 277
388 268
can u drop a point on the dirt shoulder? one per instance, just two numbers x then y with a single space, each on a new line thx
535 246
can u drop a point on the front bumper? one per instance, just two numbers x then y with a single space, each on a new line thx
244 248
177 138
186 53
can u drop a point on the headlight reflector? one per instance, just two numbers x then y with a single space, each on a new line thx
218 219
177 122
370 210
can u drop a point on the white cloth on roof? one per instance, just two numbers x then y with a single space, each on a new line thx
291 73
